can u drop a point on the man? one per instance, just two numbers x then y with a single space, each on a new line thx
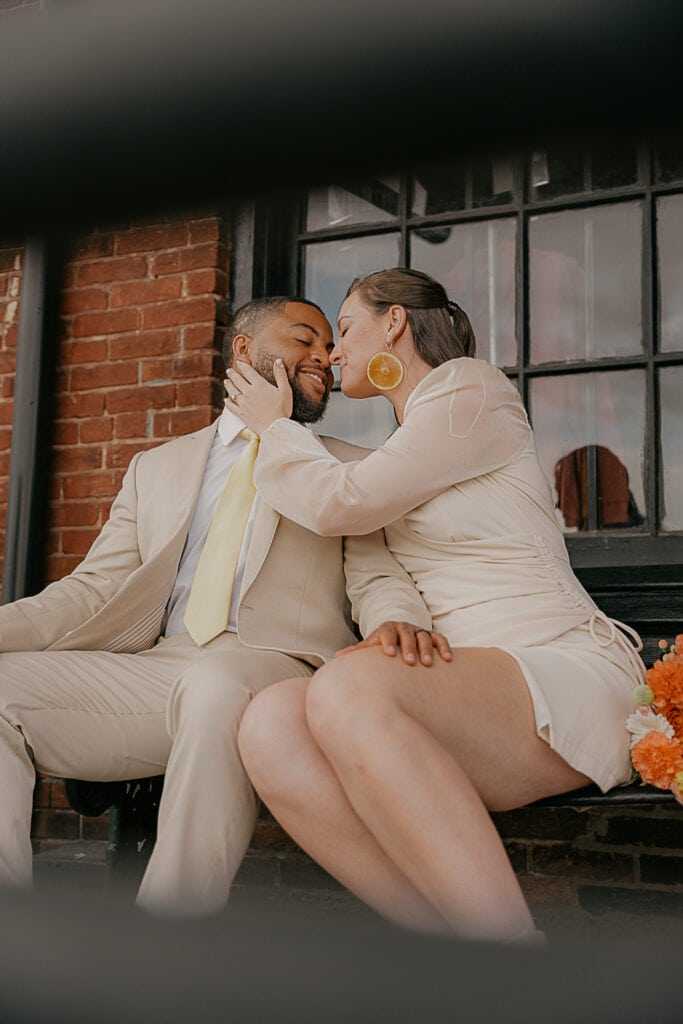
99 676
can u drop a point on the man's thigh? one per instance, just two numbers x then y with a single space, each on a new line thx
213 691
89 714
104 716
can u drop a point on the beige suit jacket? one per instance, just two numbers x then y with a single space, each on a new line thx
294 593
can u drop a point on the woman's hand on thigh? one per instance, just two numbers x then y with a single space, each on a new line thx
412 642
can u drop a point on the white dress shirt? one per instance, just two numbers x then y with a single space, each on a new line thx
225 450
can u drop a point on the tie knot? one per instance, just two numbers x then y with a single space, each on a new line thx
248 434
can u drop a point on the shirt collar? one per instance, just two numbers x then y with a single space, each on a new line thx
229 426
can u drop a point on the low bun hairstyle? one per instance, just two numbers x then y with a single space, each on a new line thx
441 329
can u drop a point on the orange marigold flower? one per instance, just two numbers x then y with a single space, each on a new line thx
663 706
675 716
679 643
657 759
665 678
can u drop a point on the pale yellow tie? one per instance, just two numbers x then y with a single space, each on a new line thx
208 606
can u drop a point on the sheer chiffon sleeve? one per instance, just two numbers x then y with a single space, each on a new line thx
463 420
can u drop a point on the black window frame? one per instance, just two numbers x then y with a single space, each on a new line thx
637 576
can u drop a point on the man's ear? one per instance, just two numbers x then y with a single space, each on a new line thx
241 348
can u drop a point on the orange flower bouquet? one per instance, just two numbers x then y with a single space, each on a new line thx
656 726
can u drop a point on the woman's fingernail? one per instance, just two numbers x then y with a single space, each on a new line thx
278 362
410 658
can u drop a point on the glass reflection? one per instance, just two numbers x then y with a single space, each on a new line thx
556 172
354 202
330 267
367 421
671 389
493 181
584 283
439 188
589 431
669 234
476 265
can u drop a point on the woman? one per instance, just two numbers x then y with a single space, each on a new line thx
384 772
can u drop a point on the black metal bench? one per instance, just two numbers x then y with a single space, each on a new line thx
133 808
134 805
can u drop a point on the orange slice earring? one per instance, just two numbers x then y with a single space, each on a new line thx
385 370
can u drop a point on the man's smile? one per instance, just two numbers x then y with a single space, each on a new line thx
319 377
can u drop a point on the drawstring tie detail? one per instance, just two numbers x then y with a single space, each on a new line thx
618 633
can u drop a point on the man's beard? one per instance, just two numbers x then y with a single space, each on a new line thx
305 408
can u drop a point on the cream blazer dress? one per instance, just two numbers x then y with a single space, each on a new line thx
468 512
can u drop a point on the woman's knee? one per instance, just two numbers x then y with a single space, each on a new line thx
270 732
350 696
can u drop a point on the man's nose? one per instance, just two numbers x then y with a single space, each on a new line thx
320 354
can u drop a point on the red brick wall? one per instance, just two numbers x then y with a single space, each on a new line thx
574 864
141 332
141 329
594 861
10 291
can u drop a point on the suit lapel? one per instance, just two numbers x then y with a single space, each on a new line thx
265 524
171 493
188 472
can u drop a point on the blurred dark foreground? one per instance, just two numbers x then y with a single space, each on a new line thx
113 108
71 961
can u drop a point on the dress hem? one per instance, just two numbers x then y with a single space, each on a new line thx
578 758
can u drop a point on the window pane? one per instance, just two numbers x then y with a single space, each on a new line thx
356 202
671 389
584 283
556 172
668 154
613 164
493 181
367 422
589 430
330 267
438 188
476 265
669 235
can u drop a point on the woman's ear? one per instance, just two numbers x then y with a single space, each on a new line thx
398 320
241 348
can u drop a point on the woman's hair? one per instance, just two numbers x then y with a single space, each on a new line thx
441 329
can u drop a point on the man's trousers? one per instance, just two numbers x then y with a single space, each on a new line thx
104 717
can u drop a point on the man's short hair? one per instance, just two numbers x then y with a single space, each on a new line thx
254 315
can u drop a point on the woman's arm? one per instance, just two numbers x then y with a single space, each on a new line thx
467 420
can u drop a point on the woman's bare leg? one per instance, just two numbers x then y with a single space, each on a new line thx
421 754
295 780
